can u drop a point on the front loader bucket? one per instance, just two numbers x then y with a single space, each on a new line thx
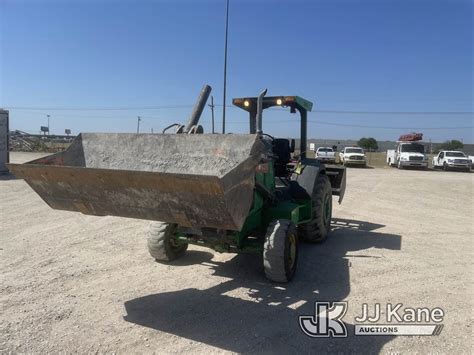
200 180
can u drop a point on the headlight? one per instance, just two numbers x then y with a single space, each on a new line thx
450 160
403 158
425 158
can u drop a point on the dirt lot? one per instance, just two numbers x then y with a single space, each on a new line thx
71 282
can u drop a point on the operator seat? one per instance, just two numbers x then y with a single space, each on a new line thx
282 150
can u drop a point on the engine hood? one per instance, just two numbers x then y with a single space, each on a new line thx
355 154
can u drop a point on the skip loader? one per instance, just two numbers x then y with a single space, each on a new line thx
238 193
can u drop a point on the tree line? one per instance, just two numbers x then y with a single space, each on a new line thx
370 144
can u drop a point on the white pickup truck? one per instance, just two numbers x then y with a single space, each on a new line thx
326 155
451 159
353 156
408 154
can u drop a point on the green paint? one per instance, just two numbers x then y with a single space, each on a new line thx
307 105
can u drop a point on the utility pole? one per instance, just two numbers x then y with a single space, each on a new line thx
138 124
152 130
49 132
225 66
212 112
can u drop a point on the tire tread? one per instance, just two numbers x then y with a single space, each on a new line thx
159 245
274 250
315 231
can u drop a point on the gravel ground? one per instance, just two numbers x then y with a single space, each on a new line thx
71 282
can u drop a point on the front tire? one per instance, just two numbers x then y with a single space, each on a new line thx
316 231
280 251
445 167
162 245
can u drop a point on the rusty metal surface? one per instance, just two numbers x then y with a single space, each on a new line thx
219 196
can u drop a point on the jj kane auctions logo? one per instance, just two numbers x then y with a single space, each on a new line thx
327 320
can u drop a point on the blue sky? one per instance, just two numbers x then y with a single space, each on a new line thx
405 55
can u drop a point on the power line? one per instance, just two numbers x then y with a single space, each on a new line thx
372 112
279 121
363 126
387 127
397 112
68 115
378 112
129 108
276 121
137 108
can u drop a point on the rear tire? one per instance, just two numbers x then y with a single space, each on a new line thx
316 231
162 245
280 251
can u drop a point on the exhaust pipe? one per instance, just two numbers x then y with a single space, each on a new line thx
260 110
198 108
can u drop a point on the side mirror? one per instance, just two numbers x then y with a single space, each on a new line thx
292 145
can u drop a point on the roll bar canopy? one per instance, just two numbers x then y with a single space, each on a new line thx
249 104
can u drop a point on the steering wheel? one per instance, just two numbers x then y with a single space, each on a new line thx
269 136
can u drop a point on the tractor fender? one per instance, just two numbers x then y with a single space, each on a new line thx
309 172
